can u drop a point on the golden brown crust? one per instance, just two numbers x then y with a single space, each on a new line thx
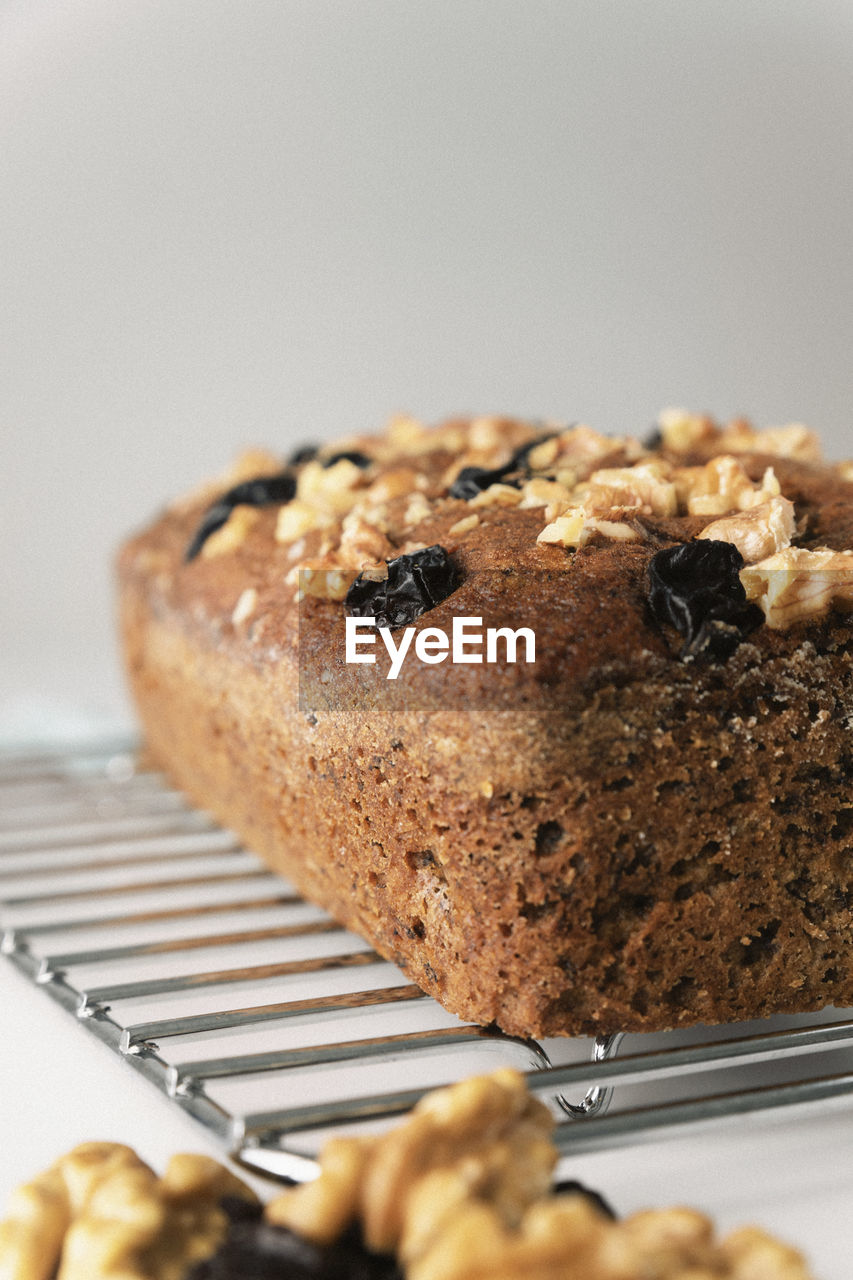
559 848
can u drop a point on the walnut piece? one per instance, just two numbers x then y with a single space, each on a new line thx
100 1213
565 1237
645 488
757 533
483 1139
574 529
232 534
797 584
721 486
791 441
245 606
460 1190
682 432
465 525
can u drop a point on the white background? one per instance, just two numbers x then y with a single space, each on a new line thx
270 221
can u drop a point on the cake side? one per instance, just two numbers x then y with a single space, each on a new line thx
610 840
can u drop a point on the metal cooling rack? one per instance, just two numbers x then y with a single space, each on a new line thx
270 1024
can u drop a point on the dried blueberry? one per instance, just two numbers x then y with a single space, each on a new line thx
263 491
415 584
570 1185
473 480
236 1209
348 455
520 458
695 588
654 439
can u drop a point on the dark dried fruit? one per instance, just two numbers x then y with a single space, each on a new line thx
695 588
522 453
264 491
348 455
473 480
415 584
305 453
654 439
579 1188
256 1250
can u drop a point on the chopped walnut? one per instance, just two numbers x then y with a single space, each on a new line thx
487 435
797 584
540 492
500 495
581 448
417 509
460 1190
100 1213
465 525
245 606
395 483
645 488
334 488
791 441
322 579
757 533
232 534
361 543
297 517
845 470
543 455
682 431
408 435
753 1255
566 1238
574 529
721 486
485 1135
323 1209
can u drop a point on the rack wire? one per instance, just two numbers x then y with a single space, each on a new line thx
270 1024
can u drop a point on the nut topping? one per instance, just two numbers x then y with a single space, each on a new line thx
757 533
795 584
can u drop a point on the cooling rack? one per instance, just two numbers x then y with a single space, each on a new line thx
271 1025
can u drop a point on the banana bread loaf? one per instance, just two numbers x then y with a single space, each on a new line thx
644 820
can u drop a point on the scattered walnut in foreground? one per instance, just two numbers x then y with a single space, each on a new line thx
461 1191
100 1213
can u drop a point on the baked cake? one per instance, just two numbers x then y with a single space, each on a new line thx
645 823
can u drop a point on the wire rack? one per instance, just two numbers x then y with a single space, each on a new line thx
271 1025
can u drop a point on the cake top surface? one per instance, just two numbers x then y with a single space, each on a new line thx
616 550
